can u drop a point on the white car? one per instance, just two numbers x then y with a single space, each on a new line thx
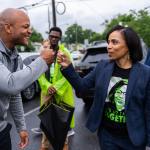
76 56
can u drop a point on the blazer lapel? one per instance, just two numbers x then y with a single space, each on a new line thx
133 78
106 79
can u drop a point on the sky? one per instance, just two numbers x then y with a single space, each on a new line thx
90 14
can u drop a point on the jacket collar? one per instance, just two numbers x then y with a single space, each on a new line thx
7 51
133 78
107 74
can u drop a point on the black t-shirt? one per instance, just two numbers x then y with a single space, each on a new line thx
114 118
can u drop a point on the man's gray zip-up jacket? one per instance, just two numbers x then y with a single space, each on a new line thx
12 81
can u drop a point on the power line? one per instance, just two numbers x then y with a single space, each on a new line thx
92 9
76 0
40 3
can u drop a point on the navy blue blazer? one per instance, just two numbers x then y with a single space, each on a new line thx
137 102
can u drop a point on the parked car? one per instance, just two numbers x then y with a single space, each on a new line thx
92 56
76 56
30 92
98 42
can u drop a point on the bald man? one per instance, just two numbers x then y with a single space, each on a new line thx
15 30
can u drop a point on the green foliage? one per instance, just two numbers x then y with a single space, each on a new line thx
142 25
30 47
124 19
36 37
139 21
76 34
96 37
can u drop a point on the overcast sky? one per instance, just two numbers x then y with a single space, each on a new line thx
90 14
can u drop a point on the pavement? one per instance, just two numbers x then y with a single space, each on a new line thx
82 140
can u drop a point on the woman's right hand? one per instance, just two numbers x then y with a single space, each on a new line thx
63 60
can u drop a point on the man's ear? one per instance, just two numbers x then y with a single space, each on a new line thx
8 28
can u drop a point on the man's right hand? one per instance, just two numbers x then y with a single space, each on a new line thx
48 55
24 139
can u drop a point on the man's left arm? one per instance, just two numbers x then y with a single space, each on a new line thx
17 112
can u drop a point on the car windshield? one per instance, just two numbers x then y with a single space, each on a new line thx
94 55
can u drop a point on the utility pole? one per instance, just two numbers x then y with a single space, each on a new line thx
76 32
54 13
49 24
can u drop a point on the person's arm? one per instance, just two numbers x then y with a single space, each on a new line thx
13 83
78 83
16 109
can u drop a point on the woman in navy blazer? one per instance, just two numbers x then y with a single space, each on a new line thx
121 108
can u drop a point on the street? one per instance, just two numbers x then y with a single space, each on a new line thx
82 139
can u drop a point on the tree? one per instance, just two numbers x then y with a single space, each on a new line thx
139 21
124 19
76 34
96 37
36 37
142 25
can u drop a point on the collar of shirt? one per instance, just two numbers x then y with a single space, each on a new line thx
11 53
